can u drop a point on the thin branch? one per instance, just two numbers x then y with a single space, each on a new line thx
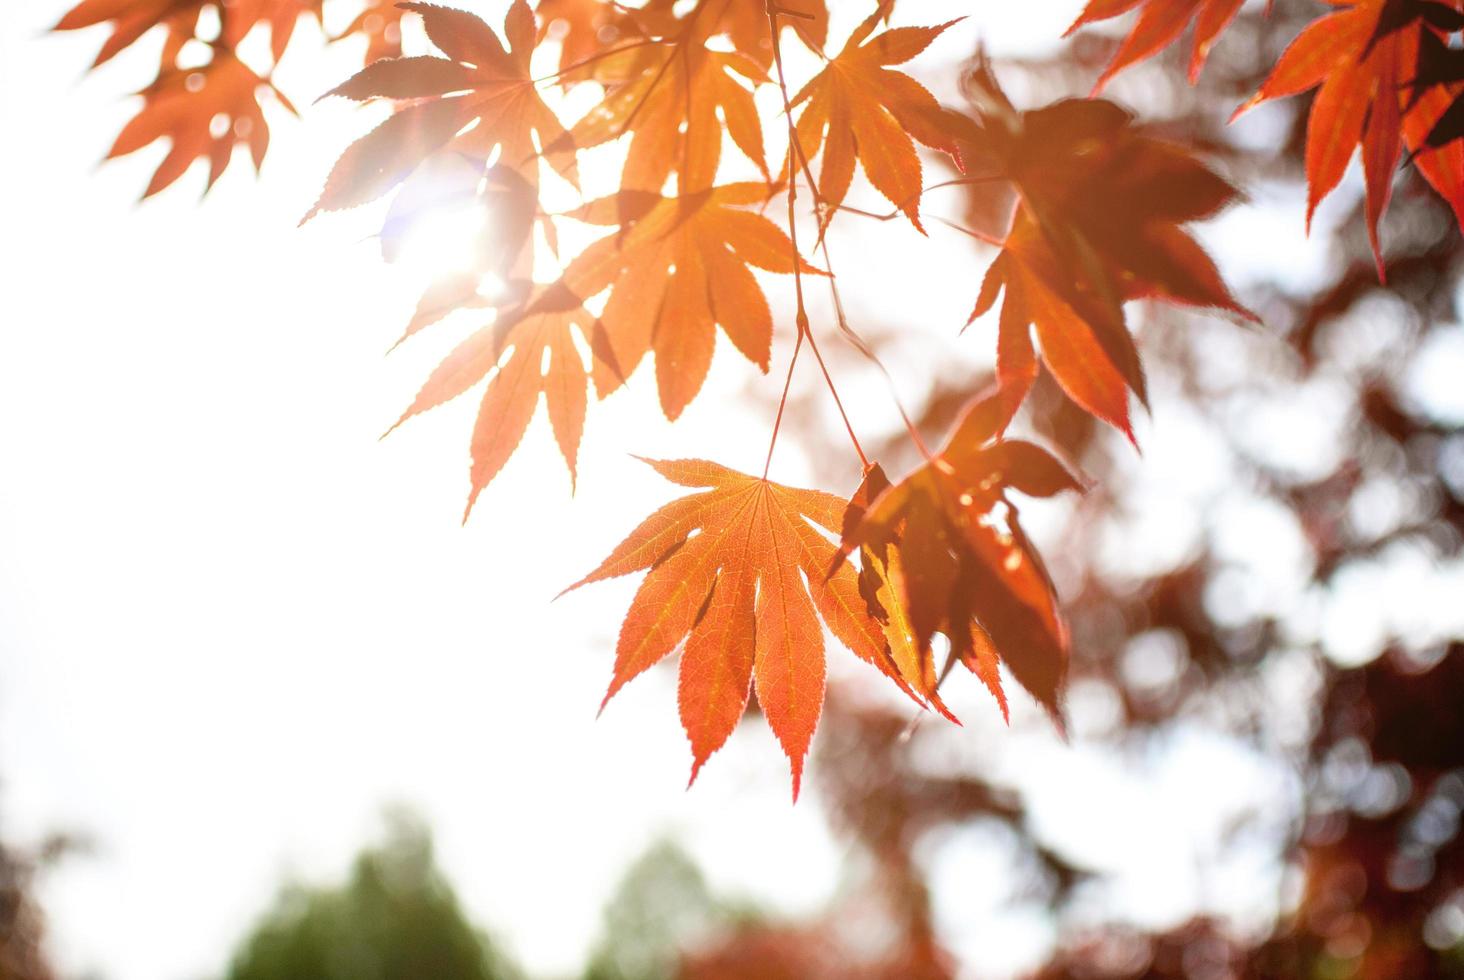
802 315
954 182
599 56
980 236
795 149
782 404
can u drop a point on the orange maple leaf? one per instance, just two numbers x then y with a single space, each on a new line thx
585 27
858 109
964 566
380 23
740 572
1365 58
883 584
1099 222
745 23
676 99
529 351
678 267
202 112
1159 23
131 19
478 100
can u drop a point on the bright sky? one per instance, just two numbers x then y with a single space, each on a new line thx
233 623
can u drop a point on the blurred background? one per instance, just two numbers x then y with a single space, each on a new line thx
268 711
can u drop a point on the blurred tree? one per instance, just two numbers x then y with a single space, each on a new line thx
1304 605
396 918
21 924
662 905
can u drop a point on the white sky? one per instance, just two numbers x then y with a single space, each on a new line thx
233 623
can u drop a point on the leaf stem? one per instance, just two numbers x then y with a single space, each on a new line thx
980 236
782 404
795 150
598 56
773 11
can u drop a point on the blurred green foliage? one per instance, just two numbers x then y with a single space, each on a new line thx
662 906
396 918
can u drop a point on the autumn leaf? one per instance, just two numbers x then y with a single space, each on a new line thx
528 352
882 583
677 268
745 23
479 100
859 109
203 112
1159 23
380 23
241 16
740 573
1098 223
586 27
131 19
675 99
1365 58
964 566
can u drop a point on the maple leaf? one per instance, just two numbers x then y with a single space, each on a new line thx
539 337
740 572
678 267
202 112
497 107
586 27
673 98
859 109
529 352
745 23
1158 24
882 583
380 23
963 566
1365 58
1101 205
241 16
131 19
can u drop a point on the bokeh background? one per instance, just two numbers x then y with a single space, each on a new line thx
267 710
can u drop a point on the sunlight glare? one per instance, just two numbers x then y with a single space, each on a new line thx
441 240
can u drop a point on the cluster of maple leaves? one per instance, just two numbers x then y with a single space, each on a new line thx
743 574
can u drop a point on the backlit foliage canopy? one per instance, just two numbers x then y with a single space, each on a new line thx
744 574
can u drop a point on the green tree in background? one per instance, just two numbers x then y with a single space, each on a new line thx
661 907
396 918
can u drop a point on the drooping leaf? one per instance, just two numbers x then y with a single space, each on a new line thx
380 23
858 109
882 583
965 568
529 352
677 268
675 99
740 573
745 23
131 19
1099 222
478 101
1159 23
204 112
1365 58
